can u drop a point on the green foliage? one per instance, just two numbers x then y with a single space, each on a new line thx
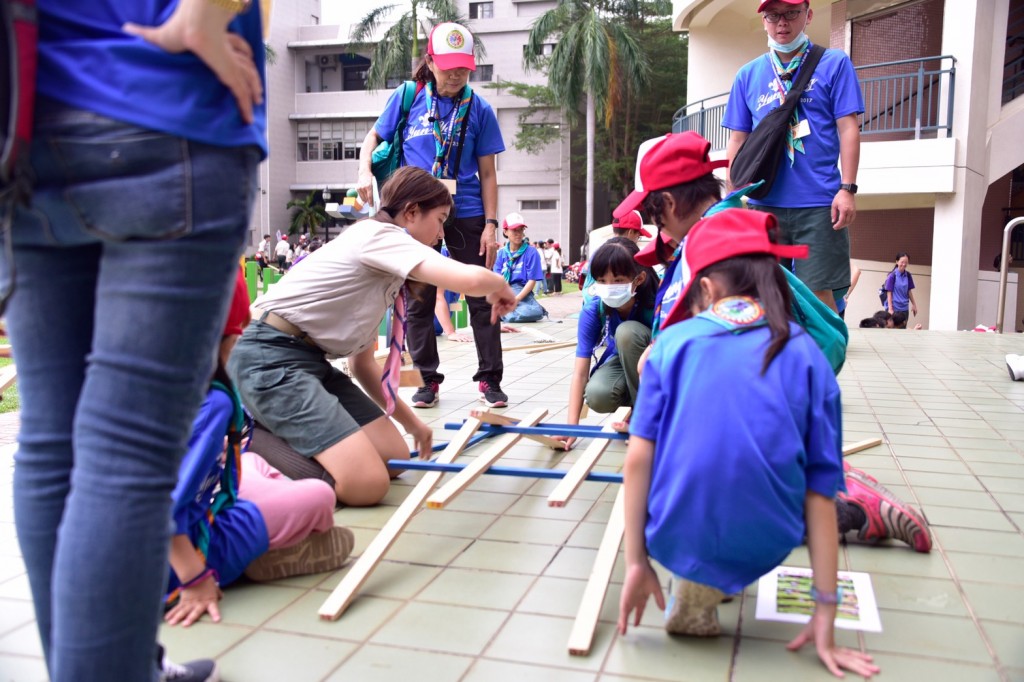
539 123
269 54
309 216
393 54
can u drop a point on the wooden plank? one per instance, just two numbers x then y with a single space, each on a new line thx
347 589
552 346
582 635
547 345
8 375
861 445
474 469
579 471
501 420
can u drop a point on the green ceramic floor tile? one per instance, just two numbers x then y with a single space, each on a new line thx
450 522
651 653
949 481
430 550
15 613
537 507
895 667
896 559
438 627
552 596
969 518
1010 502
929 635
760 660
1007 639
483 502
22 669
964 499
753 627
253 603
502 671
486 589
512 557
980 541
938 466
532 530
394 580
23 640
999 470
572 562
984 568
389 664
995 602
16 588
587 534
361 619
921 595
543 640
204 639
276 656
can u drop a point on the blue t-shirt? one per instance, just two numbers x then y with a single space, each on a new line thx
833 92
88 62
592 330
900 286
483 138
238 533
734 449
525 268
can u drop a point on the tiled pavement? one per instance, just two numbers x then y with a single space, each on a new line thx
487 589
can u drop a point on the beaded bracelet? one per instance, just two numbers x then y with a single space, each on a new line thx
826 597
201 577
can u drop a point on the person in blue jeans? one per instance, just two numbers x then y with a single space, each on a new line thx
141 166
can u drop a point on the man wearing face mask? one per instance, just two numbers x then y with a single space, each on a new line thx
812 200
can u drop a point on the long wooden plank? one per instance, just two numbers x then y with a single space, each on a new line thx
502 420
861 445
551 346
543 345
579 471
582 635
475 469
347 589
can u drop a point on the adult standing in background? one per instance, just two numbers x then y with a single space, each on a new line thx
444 108
115 342
899 289
813 202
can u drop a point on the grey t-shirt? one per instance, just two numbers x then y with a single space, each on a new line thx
338 294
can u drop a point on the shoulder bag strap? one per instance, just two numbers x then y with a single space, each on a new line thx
408 96
804 77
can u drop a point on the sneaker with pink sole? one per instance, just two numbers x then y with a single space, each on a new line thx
886 516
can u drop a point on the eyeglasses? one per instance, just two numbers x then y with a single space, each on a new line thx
788 15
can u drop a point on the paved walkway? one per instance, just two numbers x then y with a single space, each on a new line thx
487 590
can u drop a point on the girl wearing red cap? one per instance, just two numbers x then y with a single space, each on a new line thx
731 462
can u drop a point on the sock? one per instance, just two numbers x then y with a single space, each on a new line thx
850 516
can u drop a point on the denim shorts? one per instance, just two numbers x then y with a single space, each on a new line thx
291 389
828 265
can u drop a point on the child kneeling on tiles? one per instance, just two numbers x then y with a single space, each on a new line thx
735 452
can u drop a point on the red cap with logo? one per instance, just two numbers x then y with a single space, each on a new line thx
513 221
451 46
727 234
765 3
666 162
631 221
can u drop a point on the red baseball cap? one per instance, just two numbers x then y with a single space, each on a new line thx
631 221
513 221
666 162
765 3
451 46
726 234
238 312
648 256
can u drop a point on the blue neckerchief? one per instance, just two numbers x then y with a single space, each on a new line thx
506 268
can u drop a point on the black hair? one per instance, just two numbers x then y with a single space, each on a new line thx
688 196
899 319
616 256
871 323
883 316
758 276
411 186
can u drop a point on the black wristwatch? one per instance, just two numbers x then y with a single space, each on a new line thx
850 187
491 221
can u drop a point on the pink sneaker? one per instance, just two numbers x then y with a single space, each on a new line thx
860 472
887 516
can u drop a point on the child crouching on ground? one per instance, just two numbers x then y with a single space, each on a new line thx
736 451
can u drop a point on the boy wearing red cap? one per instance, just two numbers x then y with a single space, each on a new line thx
812 200
776 450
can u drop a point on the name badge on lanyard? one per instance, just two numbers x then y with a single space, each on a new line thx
449 185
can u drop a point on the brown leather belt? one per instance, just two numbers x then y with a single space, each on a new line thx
281 325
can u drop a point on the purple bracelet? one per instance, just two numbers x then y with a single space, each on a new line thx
201 577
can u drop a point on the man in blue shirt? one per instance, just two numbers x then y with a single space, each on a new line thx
813 202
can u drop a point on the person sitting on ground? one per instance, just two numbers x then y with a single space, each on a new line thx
233 512
619 317
327 426
522 268
784 468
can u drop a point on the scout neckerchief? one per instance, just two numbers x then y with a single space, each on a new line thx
784 76
506 268
736 313
444 135
392 373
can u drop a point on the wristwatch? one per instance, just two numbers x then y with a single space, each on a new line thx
236 6
491 221
850 187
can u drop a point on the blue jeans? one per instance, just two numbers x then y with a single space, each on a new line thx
123 268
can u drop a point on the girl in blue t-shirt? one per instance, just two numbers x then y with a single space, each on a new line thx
520 265
899 288
618 316
735 450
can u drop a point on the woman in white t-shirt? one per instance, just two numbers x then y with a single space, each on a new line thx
326 426
556 269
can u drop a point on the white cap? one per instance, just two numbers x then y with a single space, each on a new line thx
512 221
451 46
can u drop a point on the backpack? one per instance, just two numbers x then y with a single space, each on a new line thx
826 328
883 293
19 36
388 156
761 154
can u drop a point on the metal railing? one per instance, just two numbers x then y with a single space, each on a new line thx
906 99
1004 270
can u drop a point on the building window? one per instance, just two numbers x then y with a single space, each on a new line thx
538 204
546 50
354 78
483 73
481 10
332 140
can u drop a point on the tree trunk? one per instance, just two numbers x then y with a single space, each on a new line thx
591 134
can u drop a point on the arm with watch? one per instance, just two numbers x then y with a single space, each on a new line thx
844 206
489 195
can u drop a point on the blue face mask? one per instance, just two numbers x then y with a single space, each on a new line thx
790 47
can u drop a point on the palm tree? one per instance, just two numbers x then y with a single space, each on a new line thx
597 56
399 48
309 216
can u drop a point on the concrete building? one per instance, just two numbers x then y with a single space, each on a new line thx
320 111
940 171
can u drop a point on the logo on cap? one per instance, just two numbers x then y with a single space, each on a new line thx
455 40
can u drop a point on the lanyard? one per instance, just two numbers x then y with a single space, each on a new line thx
443 139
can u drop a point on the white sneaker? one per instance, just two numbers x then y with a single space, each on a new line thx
1015 366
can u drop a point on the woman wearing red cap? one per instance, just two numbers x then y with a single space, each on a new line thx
451 132
731 463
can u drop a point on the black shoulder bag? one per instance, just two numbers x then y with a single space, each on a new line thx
764 149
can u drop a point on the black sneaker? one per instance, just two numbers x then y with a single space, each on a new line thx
492 395
426 396
201 670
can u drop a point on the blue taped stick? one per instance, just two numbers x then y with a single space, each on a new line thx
438 447
523 472
580 431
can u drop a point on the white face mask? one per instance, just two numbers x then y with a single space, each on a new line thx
789 47
613 295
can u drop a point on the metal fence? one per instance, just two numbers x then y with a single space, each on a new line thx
903 100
